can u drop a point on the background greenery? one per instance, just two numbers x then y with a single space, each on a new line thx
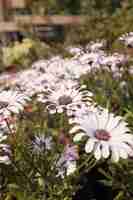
104 19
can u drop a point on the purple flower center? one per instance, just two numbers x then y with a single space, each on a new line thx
102 134
64 100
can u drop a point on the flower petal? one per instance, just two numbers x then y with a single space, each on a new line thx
89 145
97 152
74 129
105 151
115 154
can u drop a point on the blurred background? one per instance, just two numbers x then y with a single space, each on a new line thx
87 19
54 25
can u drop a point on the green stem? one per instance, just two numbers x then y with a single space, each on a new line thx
86 161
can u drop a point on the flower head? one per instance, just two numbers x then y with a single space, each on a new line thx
127 39
41 143
65 97
95 46
92 58
114 63
67 162
12 102
5 154
40 65
5 151
75 51
107 135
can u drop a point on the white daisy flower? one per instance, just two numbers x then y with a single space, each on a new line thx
26 76
40 84
114 61
95 46
75 69
57 68
5 160
82 111
40 65
12 102
107 135
67 68
127 39
75 51
5 153
65 97
92 58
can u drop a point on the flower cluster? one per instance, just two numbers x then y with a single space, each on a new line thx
62 95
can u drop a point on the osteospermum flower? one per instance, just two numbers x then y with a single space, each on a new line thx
5 151
40 65
114 61
75 69
65 97
5 160
76 51
41 143
12 102
127 39
25 78
57 68
67 162
92 58
40 84
95 46
5 154
67 68
107 135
